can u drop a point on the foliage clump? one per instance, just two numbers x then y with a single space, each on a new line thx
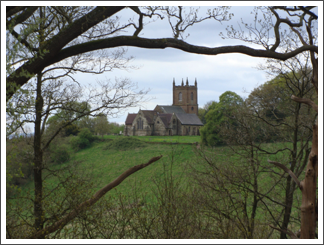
60 154
124 143
83 140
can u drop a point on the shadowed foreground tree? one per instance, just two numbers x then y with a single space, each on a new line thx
97 28
109 98
291 122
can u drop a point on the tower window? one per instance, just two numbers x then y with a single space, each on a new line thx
180 96
192 108
191 95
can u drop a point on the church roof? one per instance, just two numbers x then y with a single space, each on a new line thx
171 109
166 118
189 119
149 115
130 118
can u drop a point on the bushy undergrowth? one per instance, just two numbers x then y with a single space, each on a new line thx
60 154
83 140
124 143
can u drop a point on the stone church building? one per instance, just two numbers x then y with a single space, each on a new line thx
180 118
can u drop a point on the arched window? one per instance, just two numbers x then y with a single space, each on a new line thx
139 123
191 95
192 108
180 96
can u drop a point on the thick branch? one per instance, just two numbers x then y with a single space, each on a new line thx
67 218
306 10
305 101
22 41
20 18
11 10
288 171
163 43
56 52
54 45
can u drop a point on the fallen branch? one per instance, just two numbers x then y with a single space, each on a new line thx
287 170
67 218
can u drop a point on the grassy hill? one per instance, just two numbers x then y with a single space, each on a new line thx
105 160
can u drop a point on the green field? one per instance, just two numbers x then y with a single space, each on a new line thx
105 160
103 165
170 139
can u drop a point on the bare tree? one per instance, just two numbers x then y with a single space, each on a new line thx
303 23
271 104
52 91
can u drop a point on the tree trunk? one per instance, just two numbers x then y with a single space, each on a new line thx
38 158
288 203
309 214
290 185
308 188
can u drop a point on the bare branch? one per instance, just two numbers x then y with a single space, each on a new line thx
305 101
306 10
289 172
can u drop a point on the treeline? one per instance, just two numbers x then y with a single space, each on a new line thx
268 113
97 125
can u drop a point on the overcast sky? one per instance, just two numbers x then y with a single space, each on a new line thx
215 74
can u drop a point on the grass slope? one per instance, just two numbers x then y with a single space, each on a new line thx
105 161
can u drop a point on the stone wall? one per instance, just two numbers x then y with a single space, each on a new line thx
159 128
128 130
189 130
146 131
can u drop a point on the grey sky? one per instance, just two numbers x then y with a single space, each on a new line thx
215 74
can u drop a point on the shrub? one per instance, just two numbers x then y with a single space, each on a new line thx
83 140
85 133
78 143
71 130
60 155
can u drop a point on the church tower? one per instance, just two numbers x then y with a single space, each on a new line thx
186 96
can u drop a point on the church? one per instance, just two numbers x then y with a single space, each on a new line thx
180 118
